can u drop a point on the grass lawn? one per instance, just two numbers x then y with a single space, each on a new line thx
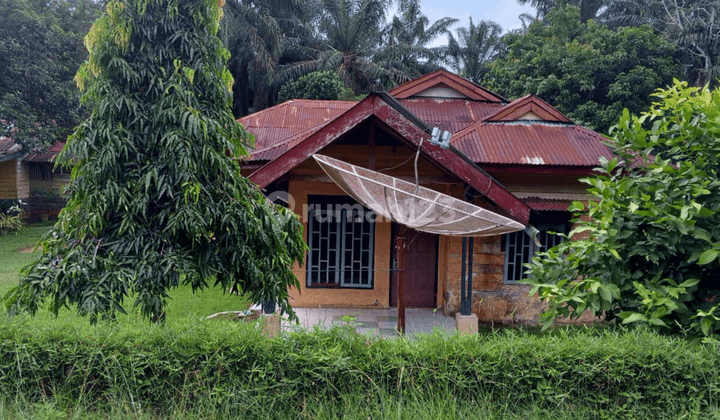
16 252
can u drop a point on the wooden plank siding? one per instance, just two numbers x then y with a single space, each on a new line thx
8 179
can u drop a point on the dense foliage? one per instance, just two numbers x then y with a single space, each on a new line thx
589 72
654 227
40 51
316 85
156 198
161 369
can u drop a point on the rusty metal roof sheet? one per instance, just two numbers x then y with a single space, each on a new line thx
547 204
273 125
451 114
271 152
8 146
48 156
531 143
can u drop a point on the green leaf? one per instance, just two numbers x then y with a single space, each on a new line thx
576 206
633 317
605 294
689 283
708 256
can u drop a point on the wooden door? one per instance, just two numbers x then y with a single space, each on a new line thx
420 271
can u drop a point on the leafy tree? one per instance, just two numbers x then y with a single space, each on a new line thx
316 85
692 25
588 71
476 46
406 38
156 197
653 224
40 51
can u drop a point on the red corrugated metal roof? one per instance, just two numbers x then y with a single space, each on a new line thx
547 204
273 125
531 144
271 152
48 156
8 146
451 114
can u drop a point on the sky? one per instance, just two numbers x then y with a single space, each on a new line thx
504 12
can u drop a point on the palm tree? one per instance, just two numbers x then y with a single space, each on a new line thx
589 9
260 35
476 46
406 38
350 36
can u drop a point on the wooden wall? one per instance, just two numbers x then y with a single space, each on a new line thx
8 179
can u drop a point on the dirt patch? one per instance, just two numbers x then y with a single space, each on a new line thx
29 250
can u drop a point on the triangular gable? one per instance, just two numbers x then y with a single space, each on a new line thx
451 160
528 107
434 83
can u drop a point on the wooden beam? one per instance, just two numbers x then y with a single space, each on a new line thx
400 247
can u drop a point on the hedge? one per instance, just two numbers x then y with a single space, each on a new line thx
228 363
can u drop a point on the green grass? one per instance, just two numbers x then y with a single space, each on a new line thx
432 405
11 259
183 302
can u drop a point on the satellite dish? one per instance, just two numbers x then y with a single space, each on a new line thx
414 206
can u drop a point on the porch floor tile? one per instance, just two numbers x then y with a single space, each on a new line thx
375 322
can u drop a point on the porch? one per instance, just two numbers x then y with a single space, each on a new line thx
375 322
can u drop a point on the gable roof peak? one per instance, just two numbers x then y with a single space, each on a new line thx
528 107
442 83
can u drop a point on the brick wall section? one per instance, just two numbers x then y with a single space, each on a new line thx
493 300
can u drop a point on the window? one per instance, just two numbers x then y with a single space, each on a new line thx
41 171
341 243
520 248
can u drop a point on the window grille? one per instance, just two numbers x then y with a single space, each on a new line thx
341 245
520 248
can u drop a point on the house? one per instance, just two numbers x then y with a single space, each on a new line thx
31 178
14 179
522 159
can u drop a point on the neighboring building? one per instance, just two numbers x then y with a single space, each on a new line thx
14 178
32 178
521 159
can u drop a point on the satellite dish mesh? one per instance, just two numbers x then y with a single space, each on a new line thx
416 207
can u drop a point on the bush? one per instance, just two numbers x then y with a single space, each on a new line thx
325 85
10 216
228 364
652 246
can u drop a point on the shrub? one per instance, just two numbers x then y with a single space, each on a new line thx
651 251
221 364
10 216
324 85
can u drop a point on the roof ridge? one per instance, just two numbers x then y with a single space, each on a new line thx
471 90
525 104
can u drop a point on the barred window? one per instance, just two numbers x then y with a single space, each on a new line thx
520 248
341 241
